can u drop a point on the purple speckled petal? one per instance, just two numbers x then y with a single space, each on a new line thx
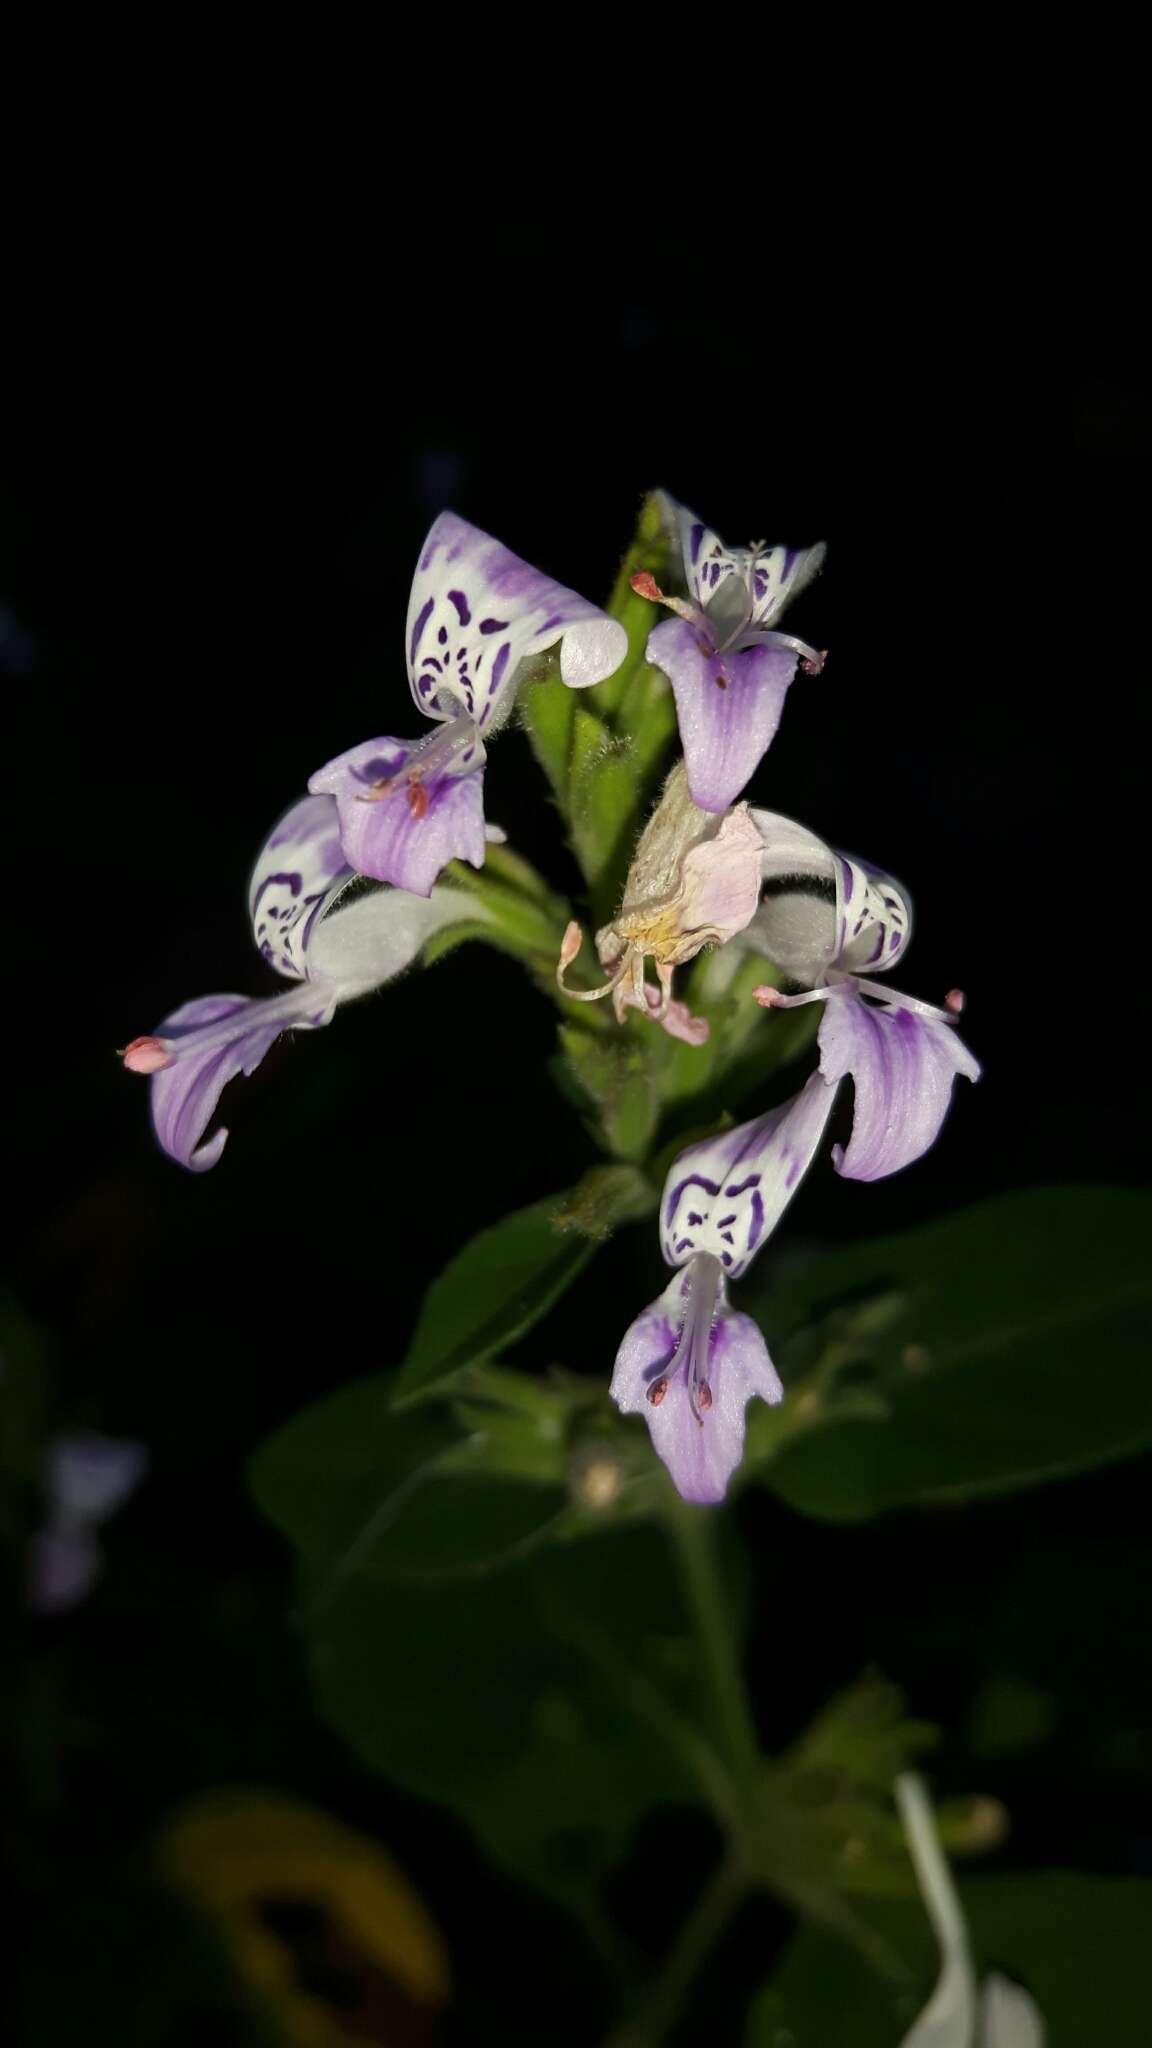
432 813
728 583
701 1447
874 918
728 707
63 1566
87 1476
726 1195
295 876
903 1066
477 611
184 1095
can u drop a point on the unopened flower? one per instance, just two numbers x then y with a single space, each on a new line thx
824 920
476 613
331 936
958 2015
694 882
86 1479
728 666
690 1363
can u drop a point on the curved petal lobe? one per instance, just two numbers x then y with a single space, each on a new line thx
476 611
903 1066
402 823
728 707
185 1094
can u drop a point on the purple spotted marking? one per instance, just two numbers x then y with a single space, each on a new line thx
695 536
418 629
693 1180
463 611
757 1221
493 625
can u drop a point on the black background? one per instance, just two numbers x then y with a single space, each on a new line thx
280 286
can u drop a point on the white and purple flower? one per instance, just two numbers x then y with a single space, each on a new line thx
87 1478
824 920
690 1363
475 615
330 934
728 666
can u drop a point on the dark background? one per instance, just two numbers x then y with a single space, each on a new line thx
280 286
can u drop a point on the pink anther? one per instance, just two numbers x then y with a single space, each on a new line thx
146 1056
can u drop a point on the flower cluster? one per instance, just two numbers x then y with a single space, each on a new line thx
346 893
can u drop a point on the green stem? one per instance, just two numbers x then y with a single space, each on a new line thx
661 2009
692 1533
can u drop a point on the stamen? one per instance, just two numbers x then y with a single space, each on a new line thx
894 999
645 585
657 1391
770 998
146 1055
695 1340
300 1004
431 757
570 945
955 1001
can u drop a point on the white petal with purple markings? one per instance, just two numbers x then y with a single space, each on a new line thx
477 611
740 588
726 1195
820 909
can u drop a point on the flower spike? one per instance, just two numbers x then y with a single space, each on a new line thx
320 927
728 665
476 614
823 920
689 1363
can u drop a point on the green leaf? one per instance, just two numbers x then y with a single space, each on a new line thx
550 1704
1012 1347
1077 1942
490 1294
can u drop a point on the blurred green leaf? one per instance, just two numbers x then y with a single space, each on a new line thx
1077 1942
490 1293
1013 1348
550 1704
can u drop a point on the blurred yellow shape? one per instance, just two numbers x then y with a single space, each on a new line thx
238 1855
